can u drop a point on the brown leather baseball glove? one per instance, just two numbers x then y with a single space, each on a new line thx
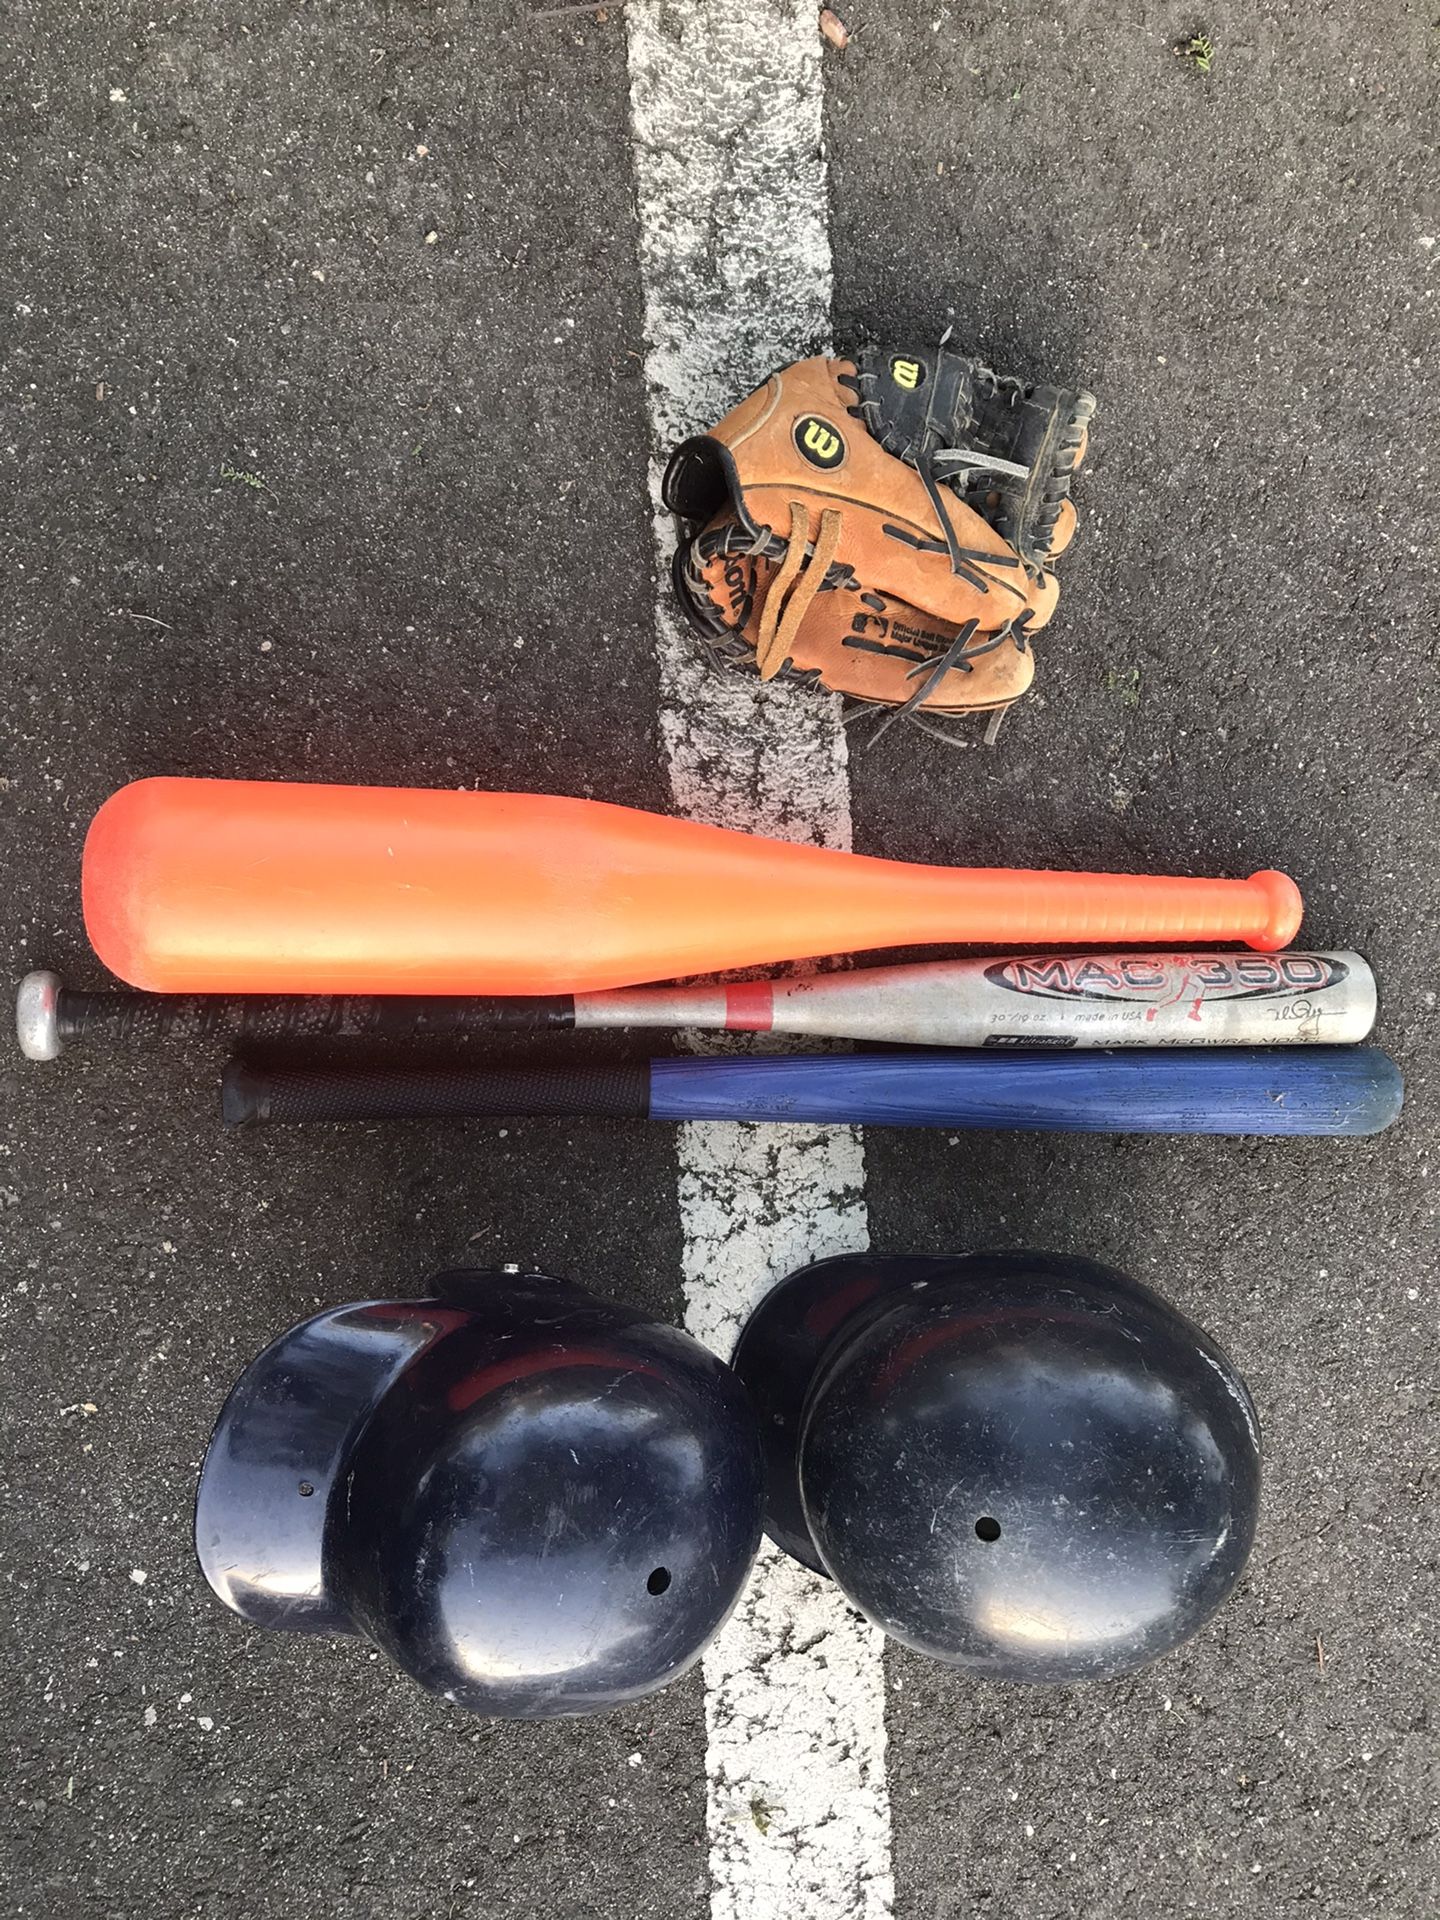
883 526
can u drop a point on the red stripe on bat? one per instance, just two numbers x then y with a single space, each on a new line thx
750 1007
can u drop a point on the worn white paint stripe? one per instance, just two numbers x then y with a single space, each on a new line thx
736 260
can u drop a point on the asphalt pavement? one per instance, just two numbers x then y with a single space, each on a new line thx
326 442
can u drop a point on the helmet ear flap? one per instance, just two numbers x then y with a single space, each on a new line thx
279 1455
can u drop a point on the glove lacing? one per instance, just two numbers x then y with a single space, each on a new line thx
804 572
946 463
793 590
804 568
957 657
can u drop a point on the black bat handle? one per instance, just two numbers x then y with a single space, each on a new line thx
48 1015
253 1095
148 1017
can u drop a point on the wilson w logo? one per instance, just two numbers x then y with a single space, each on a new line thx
818 442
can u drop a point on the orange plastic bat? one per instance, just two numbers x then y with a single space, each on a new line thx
265 887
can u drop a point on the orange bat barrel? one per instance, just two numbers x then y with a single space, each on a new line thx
240 886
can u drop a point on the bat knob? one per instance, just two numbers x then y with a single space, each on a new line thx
1284 910
37 1015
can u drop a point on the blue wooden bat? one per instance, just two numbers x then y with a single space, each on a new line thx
1233 1090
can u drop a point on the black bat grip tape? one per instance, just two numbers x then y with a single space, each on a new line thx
254 1096
142 1019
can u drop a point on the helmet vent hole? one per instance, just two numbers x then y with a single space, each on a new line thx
305 1489
659 1580
987 1528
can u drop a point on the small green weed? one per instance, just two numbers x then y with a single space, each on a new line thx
1124 683
1199 50
244 479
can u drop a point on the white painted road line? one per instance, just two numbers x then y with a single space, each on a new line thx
735 256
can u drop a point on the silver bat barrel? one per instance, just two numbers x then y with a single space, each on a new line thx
1123 999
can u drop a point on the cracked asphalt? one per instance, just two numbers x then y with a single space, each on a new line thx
297 489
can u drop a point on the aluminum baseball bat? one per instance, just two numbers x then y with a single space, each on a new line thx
247 886
1232 1090
1053 1000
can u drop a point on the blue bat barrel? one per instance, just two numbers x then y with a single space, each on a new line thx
1233 1090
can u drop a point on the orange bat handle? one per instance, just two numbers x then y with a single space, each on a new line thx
241 886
